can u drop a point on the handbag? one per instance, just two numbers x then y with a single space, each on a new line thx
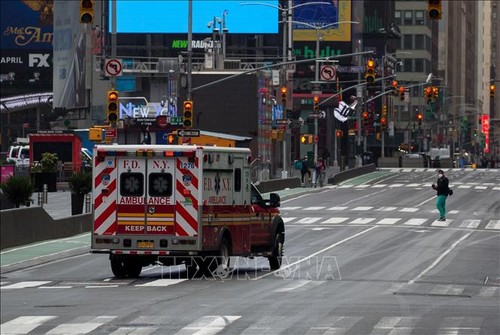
450 191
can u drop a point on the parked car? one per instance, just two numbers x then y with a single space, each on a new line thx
19 155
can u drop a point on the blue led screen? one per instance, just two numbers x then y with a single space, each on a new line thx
135 16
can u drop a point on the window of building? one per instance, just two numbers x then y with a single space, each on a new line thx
419 65
408 19
420 18
419 42
397 17
407 65
408 42
427 66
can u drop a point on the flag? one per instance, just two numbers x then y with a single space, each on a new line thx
343 110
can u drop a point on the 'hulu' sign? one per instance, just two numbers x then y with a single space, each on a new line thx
311 53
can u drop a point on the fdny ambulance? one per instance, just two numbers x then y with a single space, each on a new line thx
180 204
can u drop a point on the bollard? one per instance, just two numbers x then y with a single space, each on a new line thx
45 194
87 203
40 199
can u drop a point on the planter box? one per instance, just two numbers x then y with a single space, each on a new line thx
77 201
49 178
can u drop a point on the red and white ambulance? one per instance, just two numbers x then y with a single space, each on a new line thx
180 204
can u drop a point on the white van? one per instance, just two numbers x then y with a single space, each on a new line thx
19 155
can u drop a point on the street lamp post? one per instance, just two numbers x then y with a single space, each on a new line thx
286 14
319 36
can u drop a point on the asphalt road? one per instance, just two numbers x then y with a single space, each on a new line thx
364 257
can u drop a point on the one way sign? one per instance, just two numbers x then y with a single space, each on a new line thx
188 133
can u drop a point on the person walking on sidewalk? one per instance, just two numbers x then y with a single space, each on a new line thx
442 188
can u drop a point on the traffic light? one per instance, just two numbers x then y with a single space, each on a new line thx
428 94
492 90
434 9
339 133
402 91
316 104
86 11
283 95
435 92
383 119
370 71
187 114
420 118
112 106
365 115
304 139
394 85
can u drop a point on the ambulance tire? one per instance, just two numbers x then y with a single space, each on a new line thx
118 267
218 266
125 268
276 259
133 269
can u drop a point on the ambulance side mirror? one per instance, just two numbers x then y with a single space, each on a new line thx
275 200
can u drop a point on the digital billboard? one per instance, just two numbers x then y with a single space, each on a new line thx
171 17
309 19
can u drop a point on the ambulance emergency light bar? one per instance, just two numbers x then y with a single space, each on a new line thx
171 17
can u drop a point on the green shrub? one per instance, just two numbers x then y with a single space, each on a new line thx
80 182
18 189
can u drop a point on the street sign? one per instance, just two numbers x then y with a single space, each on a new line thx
188 133
315 115
328 72
110 132
113 67
283 121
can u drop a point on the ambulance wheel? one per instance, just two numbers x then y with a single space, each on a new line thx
118 267
276 259
125 268
219 265
133 269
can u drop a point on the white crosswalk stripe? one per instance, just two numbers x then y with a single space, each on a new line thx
24 324
470 224
339 208
493 224
214 324
208 325
80 327
24 284
362 208
362 221
335 220
438 223
309 220
388 221
415 222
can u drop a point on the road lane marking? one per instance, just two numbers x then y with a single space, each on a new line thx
389 221
308 220
409 209
470 224
80 327
386 209
208 324
316 253
362 208
415 222
161 283
312 208
288 219
24 284
438 223
493 224
25 324
335 220
338 208
436 262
